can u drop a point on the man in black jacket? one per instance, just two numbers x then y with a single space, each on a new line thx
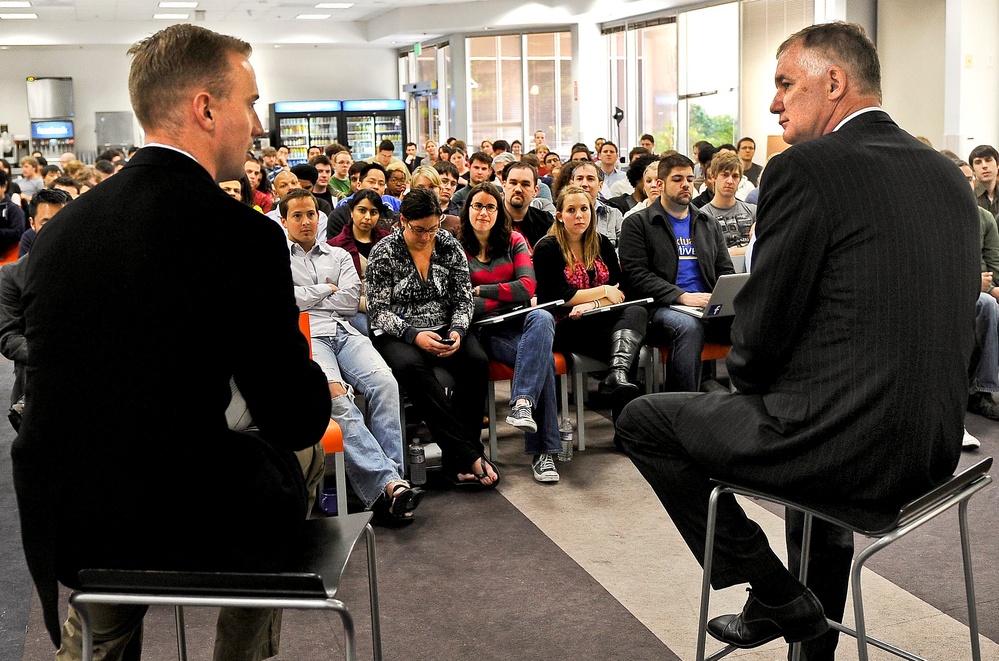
842 400
674 253
124 458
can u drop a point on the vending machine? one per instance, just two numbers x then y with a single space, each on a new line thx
299 124
52 137
367 122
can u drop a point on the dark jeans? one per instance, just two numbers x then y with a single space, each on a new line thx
455 422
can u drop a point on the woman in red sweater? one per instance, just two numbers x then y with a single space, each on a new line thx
499 265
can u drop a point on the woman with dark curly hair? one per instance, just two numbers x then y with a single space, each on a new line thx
502 275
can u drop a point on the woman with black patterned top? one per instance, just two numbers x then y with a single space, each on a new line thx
420 298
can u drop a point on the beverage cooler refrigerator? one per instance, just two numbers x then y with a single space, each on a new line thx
368 122
299 124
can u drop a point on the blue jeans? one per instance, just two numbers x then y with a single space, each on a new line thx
987 335
373 458
530 352
684 336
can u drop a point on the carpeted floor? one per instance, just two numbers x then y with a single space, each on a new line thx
580 571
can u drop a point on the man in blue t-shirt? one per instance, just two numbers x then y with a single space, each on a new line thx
674 253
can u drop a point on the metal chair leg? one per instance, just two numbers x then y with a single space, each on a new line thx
88 631
806 547
491 401
709 548
969 581
578 390
178 615
376 629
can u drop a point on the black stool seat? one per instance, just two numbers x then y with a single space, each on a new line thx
884 529
310 581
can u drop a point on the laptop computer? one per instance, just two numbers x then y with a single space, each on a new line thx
720 304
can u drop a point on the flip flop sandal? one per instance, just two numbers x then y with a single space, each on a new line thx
485 474
403 500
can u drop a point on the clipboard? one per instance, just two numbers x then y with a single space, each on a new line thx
624 304
513 314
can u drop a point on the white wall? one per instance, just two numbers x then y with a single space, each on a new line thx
100 79
979 95
911 43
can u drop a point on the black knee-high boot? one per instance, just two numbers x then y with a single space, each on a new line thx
625 346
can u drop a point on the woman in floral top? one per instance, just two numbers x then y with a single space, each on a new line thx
578 265
420 298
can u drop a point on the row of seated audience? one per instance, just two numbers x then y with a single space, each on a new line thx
369 257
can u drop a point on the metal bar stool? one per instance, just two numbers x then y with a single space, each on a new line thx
310 583
956 491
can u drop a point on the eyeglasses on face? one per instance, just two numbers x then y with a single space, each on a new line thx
422 231
477 207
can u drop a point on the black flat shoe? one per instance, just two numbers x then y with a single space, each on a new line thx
798 620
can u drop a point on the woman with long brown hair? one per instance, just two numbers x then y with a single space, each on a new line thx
576 264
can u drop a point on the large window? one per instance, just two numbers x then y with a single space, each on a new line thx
519 84
676 77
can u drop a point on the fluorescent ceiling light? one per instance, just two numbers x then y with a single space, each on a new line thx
15 4
18 17
171 17
178 5
312 17
334 5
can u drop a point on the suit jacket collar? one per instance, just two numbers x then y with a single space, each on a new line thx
162 157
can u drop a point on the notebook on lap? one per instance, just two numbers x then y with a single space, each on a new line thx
720 304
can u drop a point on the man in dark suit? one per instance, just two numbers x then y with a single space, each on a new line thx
124 458
852 379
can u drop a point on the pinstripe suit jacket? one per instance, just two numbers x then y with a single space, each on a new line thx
852 337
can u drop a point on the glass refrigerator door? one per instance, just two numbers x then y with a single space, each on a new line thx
322 130
361 136
389 127
294 134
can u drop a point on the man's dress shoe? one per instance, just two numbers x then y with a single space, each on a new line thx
799 619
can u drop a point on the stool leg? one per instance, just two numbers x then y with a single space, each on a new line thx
349 646
969 581
88 631
709 548
376 629
178 615
806 544
564 382
858 608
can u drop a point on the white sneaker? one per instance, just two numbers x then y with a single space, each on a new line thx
543 468
970 442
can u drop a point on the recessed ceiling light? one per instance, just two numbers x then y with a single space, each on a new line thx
334 5
312 17
178 5
18 17
171 17
15 4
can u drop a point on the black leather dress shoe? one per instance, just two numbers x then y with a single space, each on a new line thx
798 620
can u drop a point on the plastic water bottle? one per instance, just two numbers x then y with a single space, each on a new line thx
417 464
565 433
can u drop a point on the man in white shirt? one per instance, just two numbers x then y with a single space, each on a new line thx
328 287
285 182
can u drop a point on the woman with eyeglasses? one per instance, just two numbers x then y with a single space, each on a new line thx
499 264
358 237
420 298
578 265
